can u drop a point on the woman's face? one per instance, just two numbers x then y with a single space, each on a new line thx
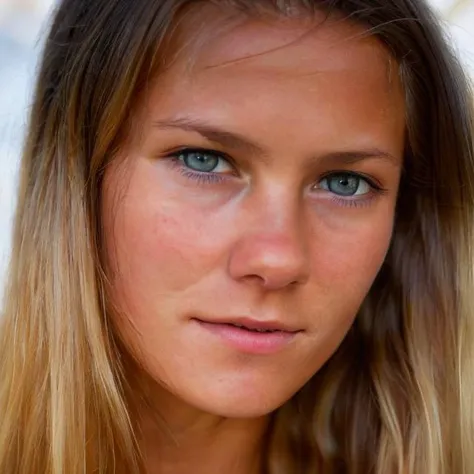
253 209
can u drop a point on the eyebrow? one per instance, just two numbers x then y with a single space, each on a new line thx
237 141
214 134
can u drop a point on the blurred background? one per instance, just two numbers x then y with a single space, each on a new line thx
22 24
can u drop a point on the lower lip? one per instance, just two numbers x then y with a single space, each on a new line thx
251 342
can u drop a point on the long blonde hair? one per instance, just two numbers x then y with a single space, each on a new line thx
397 396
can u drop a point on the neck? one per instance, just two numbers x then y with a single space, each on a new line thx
179 439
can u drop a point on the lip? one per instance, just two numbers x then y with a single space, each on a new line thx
256 324
248 336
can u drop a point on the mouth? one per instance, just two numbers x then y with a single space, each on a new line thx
261 330
253 325
250 336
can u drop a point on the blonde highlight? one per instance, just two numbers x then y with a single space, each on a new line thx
397 395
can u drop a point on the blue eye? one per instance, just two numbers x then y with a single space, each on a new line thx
199 161
345 184
204 161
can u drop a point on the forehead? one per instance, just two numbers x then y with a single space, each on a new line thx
230 66
212 37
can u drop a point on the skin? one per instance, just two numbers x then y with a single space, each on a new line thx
265 240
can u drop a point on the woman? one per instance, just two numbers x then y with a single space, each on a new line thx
243 244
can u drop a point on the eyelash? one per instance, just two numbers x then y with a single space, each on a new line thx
200 177
215 178
355 201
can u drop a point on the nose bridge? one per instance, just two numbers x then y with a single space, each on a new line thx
278 217
272 246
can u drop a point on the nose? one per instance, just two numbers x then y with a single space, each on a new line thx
272 248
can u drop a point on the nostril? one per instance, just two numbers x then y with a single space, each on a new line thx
274 278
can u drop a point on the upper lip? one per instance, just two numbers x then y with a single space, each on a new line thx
250 323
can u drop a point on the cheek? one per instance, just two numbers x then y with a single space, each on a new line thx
169 249
353 262
344 268
350 244
157 246
346 259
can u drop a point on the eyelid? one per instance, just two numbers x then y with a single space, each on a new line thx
196 149
371 181
174 152
374 184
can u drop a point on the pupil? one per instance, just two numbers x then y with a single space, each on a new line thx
201 161
344 185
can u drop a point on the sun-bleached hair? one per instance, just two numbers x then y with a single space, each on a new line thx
396 397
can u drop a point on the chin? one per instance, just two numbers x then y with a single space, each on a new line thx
240 403
241 408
